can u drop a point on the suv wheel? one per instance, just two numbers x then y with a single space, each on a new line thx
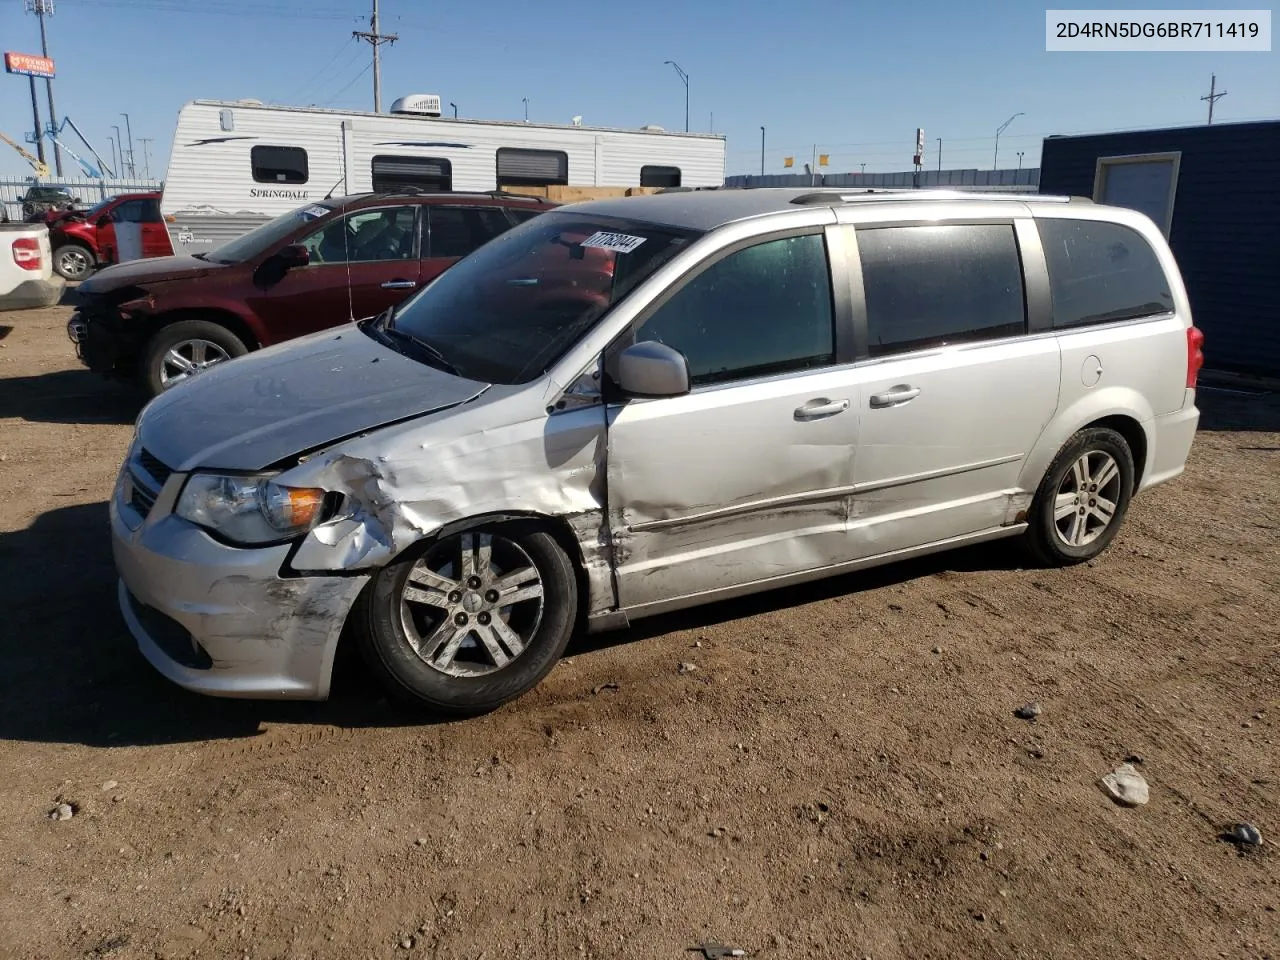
72 261
473 620
185 349
1082 499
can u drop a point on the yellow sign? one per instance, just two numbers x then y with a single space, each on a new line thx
823 159
788 161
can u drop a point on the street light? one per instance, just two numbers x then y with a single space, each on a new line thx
762 151
1020 153
128 127
120 147
525 101
685 77
864 167
995 161
455 109
112 140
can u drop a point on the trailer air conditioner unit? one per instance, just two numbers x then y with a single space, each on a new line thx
418 104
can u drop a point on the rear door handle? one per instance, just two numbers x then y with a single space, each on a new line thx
399 285
822 407
895 396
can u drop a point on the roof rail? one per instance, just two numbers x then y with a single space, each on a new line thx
411 191
862 195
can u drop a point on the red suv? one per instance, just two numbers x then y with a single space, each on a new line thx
162 320
125 227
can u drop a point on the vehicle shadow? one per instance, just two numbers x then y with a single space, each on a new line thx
71 673
1229 409
69 396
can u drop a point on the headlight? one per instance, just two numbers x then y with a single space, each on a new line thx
249 510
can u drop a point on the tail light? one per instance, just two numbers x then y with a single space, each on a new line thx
1195 355
26 253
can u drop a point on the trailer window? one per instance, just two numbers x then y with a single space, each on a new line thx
431 174
652 176
532 168
279 164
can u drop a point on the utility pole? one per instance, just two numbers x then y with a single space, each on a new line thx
685 77
1213 97
376 40
146 156
128 129
939 154
35 115
42 9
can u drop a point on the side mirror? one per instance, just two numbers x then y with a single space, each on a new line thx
652 369
104 220
294 255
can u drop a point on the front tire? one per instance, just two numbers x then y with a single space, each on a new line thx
185 349
472 620
72 261
1083 498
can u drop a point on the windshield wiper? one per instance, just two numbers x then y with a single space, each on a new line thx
433 355
200 256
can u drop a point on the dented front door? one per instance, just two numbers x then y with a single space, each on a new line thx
746 477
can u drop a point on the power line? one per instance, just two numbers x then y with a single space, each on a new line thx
237 9
367 68
301 88
323 91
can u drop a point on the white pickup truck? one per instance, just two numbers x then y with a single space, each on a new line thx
26 267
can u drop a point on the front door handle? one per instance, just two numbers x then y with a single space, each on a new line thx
399 285
894 396
822 407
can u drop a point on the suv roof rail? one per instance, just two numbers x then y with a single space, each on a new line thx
863 195
411 191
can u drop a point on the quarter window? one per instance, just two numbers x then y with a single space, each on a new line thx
532 168
1101 272
278 164
929 286
370 235
654 176
762 310
431 174
456 231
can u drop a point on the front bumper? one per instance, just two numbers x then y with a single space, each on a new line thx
216 619
33 293
104 343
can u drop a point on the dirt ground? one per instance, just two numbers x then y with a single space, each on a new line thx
843 776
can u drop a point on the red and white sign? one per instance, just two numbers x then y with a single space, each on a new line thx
29 65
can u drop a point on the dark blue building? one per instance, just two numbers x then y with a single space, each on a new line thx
1215 191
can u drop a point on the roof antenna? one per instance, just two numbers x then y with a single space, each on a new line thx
335 186
346 246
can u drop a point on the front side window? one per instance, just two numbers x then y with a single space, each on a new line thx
265 236
131 211
511 309
532 168
930 286
386 233
278 164
456 231
1101 272
762 310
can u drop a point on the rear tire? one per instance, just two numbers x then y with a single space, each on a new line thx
1082 500
471 621
185 349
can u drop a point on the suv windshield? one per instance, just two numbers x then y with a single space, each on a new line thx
511 309
257 240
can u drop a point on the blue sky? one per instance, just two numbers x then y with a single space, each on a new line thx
854 79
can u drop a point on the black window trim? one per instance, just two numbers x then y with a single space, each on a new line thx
1035 284
316 226
306 163
837 260
664 167
445 163
520 181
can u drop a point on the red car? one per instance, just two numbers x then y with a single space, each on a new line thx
163 320
125 227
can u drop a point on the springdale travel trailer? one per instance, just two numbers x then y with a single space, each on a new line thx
237 164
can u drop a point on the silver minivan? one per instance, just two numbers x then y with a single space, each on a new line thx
624 407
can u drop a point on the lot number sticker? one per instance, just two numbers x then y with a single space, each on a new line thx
316 211
621 242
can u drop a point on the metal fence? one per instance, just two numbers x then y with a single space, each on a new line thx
89 191
1026 180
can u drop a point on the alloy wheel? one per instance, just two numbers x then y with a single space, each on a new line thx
1087 499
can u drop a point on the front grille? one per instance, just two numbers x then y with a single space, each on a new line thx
157 470
140 498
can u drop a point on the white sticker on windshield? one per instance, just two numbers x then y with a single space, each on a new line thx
621 242
316 211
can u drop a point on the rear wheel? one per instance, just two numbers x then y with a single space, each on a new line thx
72 261
186 349
1082 499
473 620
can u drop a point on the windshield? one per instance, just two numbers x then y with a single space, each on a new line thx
257 240
97 208
512 308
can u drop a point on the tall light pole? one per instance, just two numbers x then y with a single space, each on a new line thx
112 140
120 148
939 154
685 77
863 166
1020 153
42 9
525 101
133 171
455 109
995 162
146 156
762 151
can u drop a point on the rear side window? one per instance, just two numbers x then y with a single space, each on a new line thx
1101 272
456 231
532 168
521 214
279 164
929 286
654 176
432 174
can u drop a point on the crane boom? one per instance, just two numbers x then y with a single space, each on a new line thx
41 169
